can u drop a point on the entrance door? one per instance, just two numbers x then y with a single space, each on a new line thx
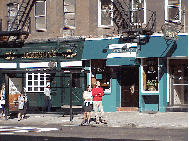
178 81
129 87
78 86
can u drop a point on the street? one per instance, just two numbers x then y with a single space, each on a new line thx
76 132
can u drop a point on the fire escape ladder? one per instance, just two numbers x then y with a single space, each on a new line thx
21 21
121 17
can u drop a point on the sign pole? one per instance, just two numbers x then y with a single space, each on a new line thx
6 96
71 117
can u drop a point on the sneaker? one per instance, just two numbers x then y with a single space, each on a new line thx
82 123
97 122
88 122
104 122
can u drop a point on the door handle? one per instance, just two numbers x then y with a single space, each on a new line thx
132 89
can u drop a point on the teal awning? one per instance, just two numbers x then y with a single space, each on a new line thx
93 49
120 61
157 47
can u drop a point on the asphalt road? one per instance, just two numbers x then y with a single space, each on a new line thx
91 133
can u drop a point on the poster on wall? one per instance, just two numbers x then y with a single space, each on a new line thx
15 86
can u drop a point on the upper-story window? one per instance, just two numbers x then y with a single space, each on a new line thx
173 10
40 15
12 11
138 14
105 13
36 82
69 14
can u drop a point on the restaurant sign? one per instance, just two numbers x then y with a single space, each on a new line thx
39 54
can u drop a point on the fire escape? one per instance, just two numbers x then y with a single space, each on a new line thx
132 31
19 28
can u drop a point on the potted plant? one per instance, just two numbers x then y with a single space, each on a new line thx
151 85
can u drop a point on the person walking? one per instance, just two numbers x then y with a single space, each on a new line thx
47 93
98 93
21 101
3 100
88 105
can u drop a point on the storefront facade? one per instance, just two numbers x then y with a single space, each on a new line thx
139 78
38 64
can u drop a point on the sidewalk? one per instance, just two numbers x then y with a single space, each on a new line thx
114 119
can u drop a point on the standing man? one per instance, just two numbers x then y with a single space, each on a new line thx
48 97
98 93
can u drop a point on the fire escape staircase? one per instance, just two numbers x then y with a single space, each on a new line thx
131 32
20 28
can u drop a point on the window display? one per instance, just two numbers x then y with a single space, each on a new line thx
150 74
102 73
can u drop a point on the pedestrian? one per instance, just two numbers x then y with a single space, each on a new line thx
21 101
3 100
25 104
88 105
98 93
47 98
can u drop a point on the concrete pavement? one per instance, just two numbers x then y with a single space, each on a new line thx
114 119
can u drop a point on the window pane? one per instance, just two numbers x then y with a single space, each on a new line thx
150 74
29 77
171 2
41 77
138 3
29 82
42 89
40 8
69 2
35 88
29 88
105 18
42 83
173 13
138 16
35 77
40 23
35 83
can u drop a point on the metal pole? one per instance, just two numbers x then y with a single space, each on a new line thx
184 18
71 117
6 95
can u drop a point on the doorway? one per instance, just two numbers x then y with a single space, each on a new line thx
178 71
130 87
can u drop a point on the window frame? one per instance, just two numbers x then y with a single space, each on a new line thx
38 80
135 9
170 6
45 29
142 68
69 13
99 15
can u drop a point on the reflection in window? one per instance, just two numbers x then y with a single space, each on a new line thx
40 15
137 14
150 74
105 13
102 73
172 10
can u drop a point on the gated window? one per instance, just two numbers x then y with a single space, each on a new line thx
173 10
40 15
138 14
36 82
105 13
150 74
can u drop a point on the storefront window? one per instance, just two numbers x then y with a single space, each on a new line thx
102 73
150 74
36 82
